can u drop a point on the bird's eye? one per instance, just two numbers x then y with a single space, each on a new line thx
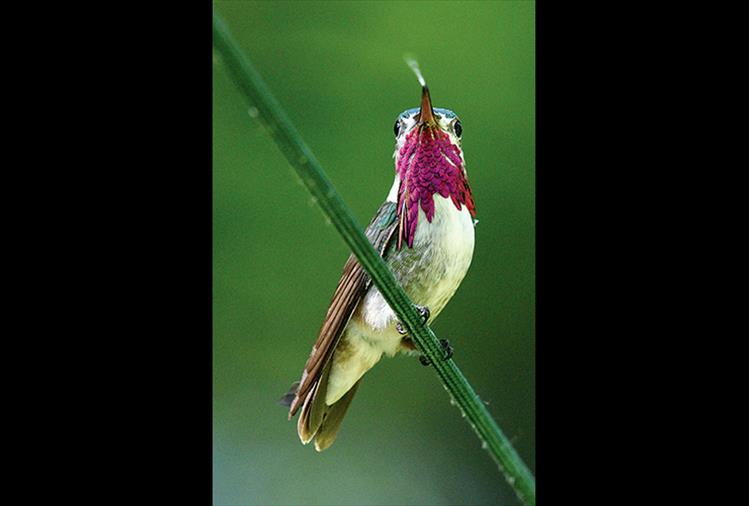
397 127
458 128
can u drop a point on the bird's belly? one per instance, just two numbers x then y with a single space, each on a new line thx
430 272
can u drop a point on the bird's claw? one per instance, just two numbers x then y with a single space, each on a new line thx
447 349
423 311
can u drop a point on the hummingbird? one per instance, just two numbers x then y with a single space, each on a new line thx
425 233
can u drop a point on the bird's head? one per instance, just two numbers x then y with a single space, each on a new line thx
427 120
428 161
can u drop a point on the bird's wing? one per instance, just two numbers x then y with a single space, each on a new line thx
351 288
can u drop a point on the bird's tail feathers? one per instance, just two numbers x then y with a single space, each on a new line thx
288 397
319 421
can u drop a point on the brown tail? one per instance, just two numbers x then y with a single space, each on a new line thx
320 421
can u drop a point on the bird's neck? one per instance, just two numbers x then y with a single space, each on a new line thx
428 163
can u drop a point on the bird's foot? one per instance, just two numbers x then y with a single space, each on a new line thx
447 349
423 311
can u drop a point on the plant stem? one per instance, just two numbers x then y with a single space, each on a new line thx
300 157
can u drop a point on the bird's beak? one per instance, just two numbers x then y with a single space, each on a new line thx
426 115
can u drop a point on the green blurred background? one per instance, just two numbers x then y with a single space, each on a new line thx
337 68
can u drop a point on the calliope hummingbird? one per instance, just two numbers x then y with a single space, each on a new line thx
425 233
